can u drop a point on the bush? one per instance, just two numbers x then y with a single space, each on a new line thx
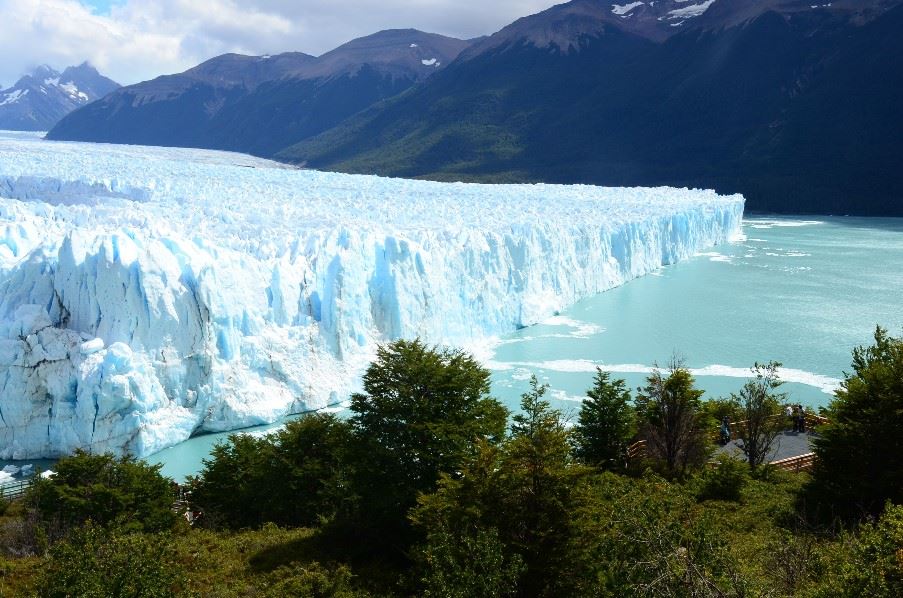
868 563
104 489
860 456
724 481
456 565
97 563
312 580
646 537
296 476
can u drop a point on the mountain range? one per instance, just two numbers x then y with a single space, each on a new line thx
262 104
39 100
793 104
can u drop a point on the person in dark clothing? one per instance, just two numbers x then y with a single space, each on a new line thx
725 430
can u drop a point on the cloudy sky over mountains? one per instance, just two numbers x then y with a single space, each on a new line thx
134 40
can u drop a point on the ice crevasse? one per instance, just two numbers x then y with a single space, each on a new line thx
148 294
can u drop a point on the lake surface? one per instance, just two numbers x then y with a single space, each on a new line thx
802 292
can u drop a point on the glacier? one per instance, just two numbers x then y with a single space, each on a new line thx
149 294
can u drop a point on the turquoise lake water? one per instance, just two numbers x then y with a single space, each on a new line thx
802 292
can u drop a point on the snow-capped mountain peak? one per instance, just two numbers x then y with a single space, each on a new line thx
41 98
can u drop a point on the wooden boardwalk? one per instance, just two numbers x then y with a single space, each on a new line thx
787 445
792 451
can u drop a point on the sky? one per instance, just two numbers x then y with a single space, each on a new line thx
136 40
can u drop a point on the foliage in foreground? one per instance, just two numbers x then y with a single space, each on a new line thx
507 515
97 563
860 454
104 489
297 476
868 562
420 415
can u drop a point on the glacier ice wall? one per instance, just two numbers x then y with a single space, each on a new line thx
147 294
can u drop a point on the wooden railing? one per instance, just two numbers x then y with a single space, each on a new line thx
796 464
15 490
813 421
637 450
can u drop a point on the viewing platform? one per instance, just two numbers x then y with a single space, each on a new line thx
792 450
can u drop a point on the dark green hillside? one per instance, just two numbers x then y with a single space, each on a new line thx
278 113
796 110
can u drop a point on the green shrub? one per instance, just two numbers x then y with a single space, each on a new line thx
868 562
724 481
104 489
296 476
311 580
97 563
646 537
455 565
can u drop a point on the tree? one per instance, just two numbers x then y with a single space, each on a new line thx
540 476
606 423
104 489
312 470
420 414
230 489
760 407
298 475
524 490
860 452
97 563
673 425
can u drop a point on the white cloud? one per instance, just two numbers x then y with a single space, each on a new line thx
140 39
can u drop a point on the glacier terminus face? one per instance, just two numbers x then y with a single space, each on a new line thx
148 294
